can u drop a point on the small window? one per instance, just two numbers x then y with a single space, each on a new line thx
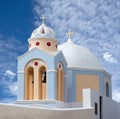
96 109
107 90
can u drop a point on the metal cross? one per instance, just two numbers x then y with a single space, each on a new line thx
43 18
69 33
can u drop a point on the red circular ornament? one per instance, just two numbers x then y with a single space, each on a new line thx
37 43
49 44
36 63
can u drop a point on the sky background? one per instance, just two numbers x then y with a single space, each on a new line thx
96 26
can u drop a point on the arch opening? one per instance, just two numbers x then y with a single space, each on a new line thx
60 82
29 84
42 83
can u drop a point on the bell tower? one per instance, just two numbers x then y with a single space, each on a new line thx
42 38
37 68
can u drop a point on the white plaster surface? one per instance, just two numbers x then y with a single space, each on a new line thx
110 108
17 112
60 104
81 57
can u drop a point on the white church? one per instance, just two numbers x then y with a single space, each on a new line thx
60 82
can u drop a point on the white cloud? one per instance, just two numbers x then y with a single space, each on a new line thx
10 49
13 88
9 74
10 88
9 83
109 58
8 100
88 19
116 95
91 19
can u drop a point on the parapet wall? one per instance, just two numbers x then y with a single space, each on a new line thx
20 112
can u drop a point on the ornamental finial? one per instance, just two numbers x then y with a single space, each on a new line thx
69 33
43 18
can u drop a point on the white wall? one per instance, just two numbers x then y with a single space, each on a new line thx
60 104
17 112
110 108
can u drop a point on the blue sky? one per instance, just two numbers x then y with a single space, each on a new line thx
96 26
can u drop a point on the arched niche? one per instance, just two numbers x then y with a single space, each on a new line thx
60 82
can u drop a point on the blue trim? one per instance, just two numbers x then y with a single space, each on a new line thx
20 95
51 83
65 89
74 87
70 88
86 72
36 54
107 76
101 83
60 58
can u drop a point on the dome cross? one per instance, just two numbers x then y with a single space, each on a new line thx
69 33
43 18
